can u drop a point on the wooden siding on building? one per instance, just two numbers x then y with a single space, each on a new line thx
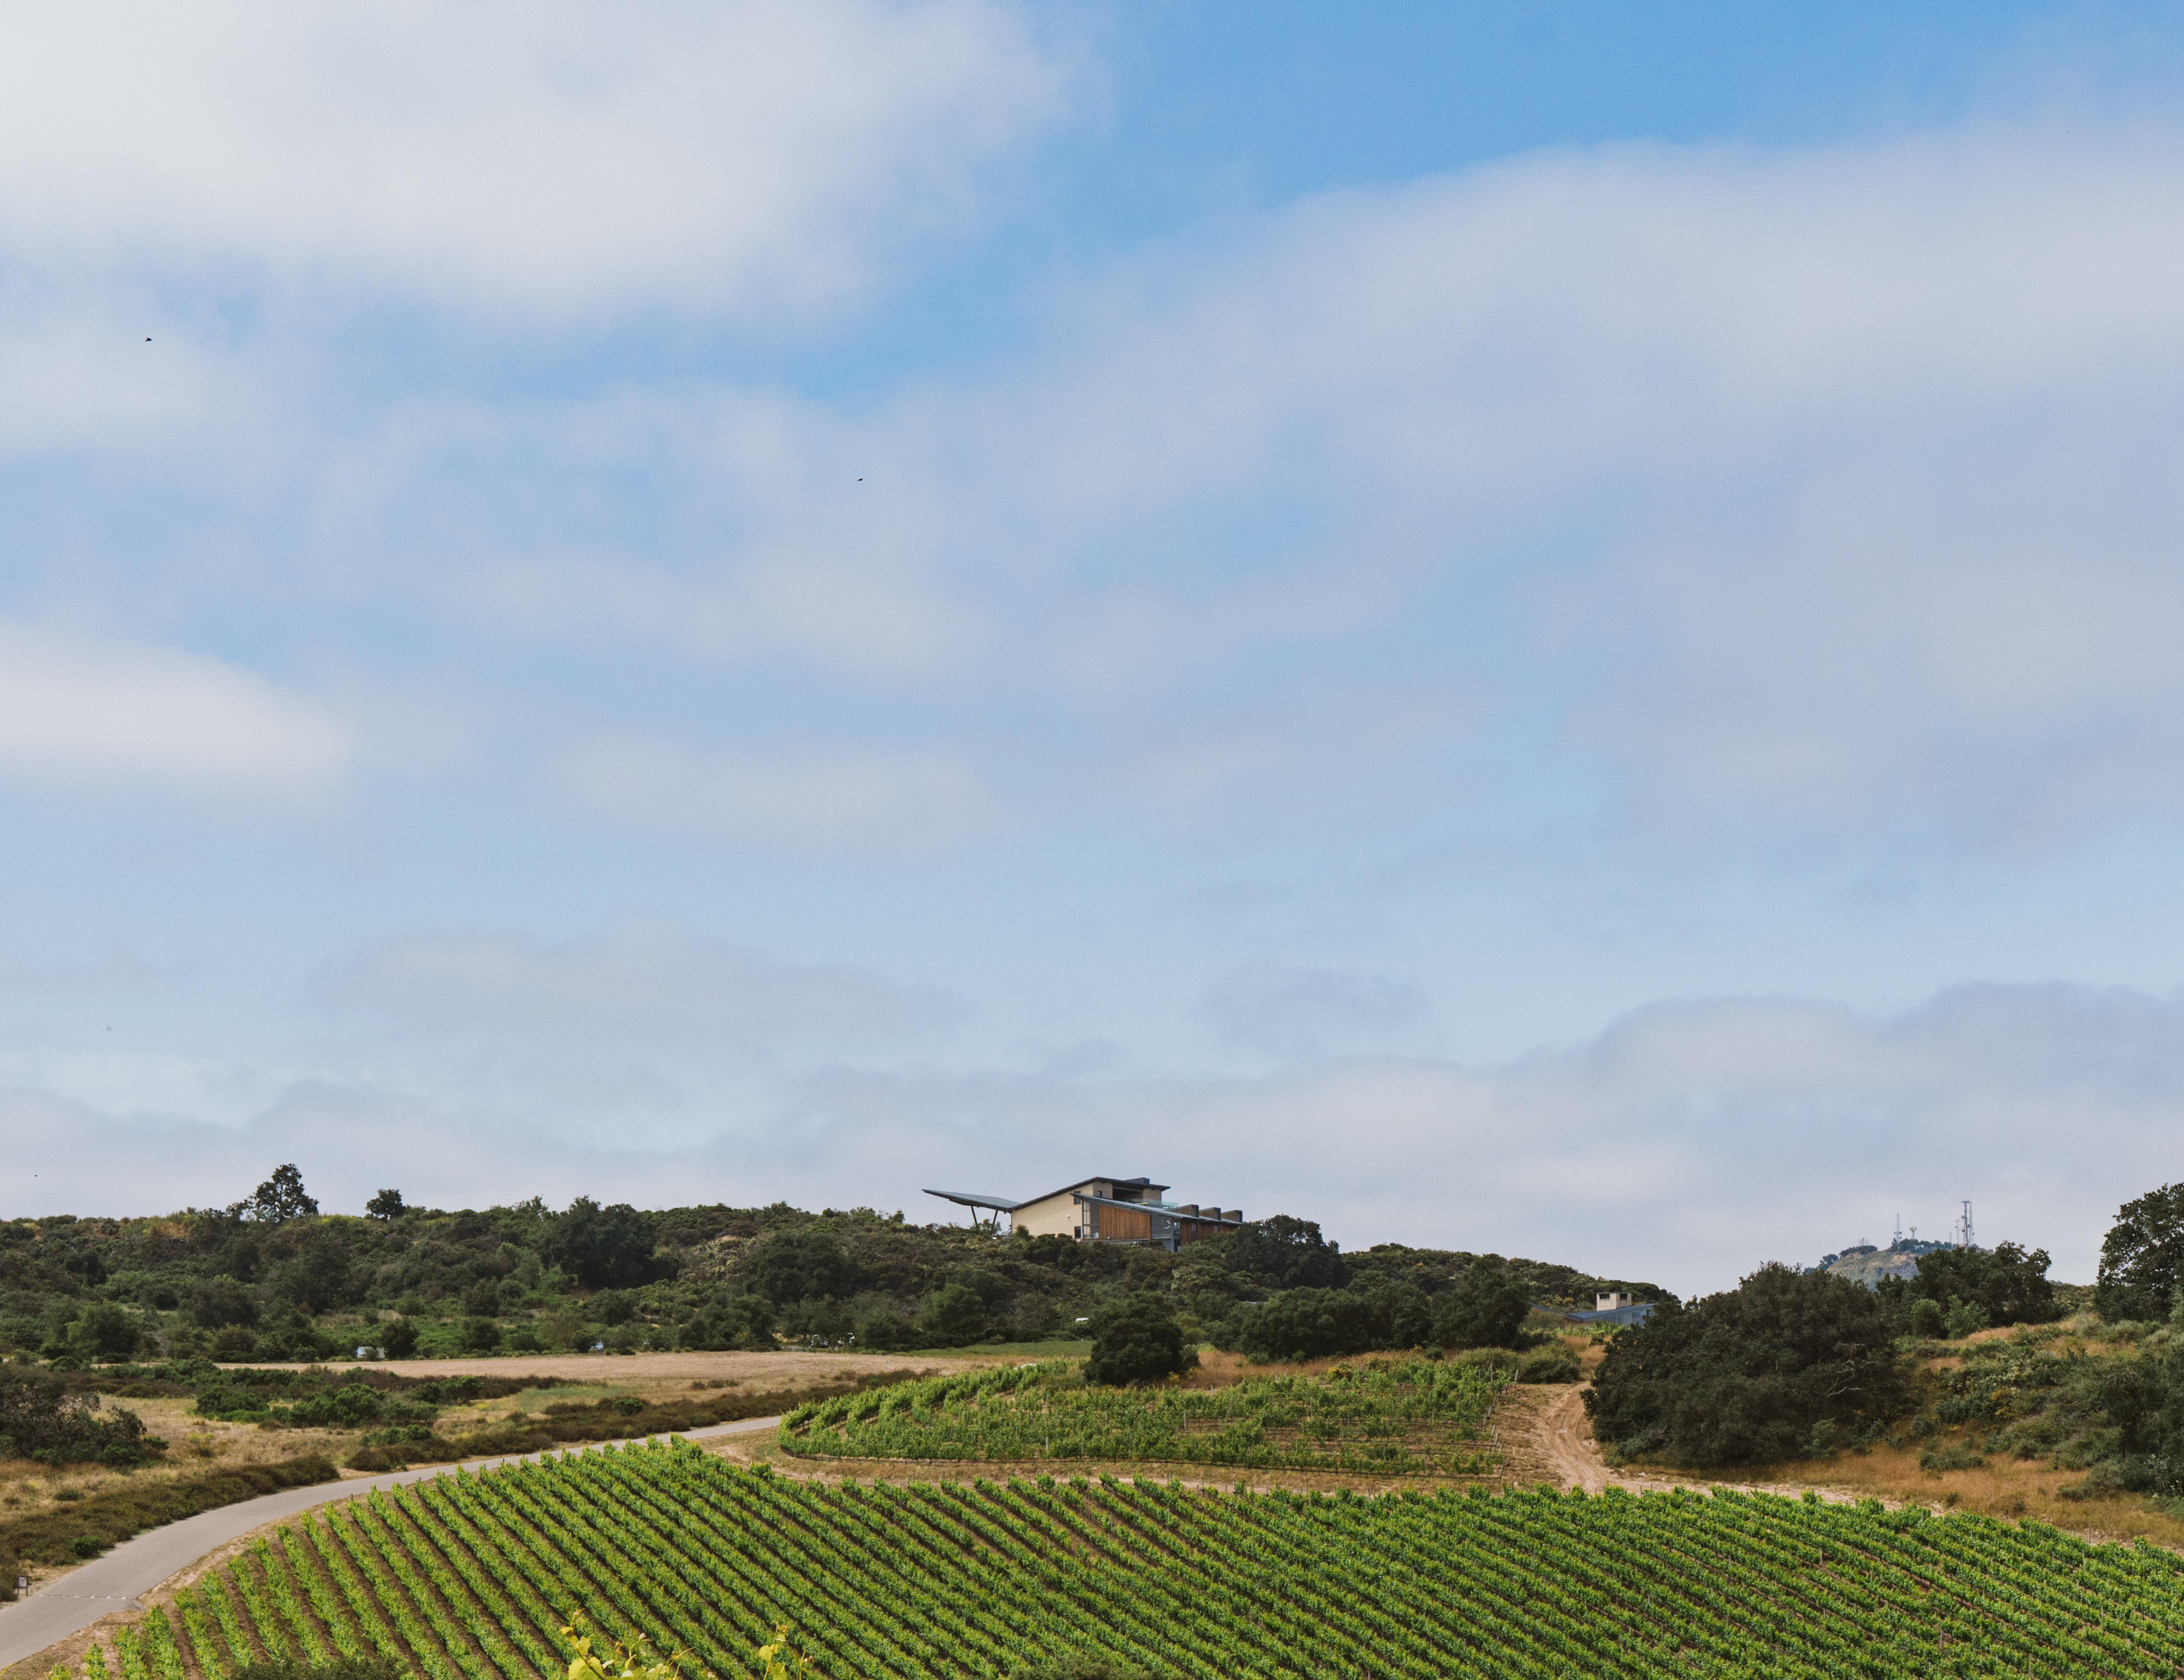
1123 1225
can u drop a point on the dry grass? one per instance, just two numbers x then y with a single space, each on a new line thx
194 1444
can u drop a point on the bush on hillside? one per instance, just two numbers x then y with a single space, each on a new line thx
1752 1376
727 1320
1138 1339
2143 1256
603 1248
40 1418
399 1336
952 1317
798 1265
1300 1323
1487 1310
2004 1284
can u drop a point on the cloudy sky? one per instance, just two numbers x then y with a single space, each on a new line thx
1553 629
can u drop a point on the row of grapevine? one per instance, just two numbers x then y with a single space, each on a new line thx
471 1578
1418 1416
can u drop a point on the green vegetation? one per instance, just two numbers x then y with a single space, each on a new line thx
272 1278
1137 1339
88 1527
1786 1365
2142 1257
1407 1417
472 1576
40 1418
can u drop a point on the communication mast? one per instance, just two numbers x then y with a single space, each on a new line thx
1964 1228
1899 1232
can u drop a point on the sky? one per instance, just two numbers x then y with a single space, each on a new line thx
1539 629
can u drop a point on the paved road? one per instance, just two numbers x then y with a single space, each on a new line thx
72 1602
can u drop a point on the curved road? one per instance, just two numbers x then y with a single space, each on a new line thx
72 1602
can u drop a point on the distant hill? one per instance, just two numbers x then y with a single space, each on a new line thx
1868 1264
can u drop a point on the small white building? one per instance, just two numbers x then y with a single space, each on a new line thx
1613 1300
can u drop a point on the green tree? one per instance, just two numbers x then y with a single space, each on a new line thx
953 1316
1485 1309
1301 1324
1750 1376
729 1321
480 1335
386 1205
399 1336
1285 1252
2143 1256
608 1247
281 1198
216 1303
108 1333
2005 1283
797 1265
1137 1339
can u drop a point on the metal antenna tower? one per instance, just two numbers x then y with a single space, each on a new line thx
1964 1227
1899 1228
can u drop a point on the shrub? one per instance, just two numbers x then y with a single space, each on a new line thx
348 1405
729 1321
399 1336
40 1420
2004 1284
1962 1318
883 1330
85 1546
1926 1320
1555 1362
1137 1339
797 1265
952 1317
1486 1309
1747 1377
603 1248
1302 1324
480 1335
107 1333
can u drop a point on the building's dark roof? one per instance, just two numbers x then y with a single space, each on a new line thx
1173 1213
1096 1178
964 1198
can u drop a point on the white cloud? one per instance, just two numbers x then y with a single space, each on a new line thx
648 984
866 799
1294 1013
84 714
1824 488
714 157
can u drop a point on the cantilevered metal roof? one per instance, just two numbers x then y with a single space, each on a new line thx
964 1198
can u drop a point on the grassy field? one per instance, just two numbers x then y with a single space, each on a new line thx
470 1577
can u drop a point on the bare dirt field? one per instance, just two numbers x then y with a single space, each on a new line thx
644 1373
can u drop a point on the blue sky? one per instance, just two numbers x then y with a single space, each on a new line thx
1546 630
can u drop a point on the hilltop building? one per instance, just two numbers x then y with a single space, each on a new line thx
1105 1209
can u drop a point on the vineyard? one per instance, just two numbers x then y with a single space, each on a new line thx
471 1577
1416 1416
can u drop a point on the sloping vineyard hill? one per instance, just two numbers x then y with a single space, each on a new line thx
471 1577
